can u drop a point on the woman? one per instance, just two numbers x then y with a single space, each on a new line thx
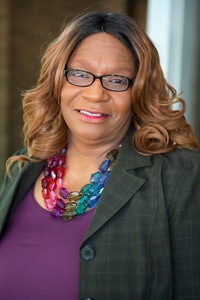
103 202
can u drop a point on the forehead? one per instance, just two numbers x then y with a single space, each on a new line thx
100 48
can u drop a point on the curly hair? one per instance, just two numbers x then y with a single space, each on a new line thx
158 127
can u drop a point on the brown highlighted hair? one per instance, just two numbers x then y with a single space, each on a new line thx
159 128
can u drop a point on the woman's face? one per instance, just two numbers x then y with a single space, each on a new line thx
94 114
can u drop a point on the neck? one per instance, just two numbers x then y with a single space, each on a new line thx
90 151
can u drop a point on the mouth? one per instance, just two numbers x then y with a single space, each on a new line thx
92 114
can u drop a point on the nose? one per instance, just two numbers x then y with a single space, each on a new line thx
95 92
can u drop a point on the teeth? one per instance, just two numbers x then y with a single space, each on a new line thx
90 114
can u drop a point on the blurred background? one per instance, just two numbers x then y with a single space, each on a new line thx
27 26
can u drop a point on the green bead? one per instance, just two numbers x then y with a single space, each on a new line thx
80 209
69 211
73 196
83 199
85 188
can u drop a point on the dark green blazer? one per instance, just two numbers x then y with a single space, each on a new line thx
143 242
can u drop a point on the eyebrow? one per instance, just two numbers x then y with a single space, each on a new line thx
86 64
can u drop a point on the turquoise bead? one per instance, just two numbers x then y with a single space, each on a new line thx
82 199
80 209
85 188
96 192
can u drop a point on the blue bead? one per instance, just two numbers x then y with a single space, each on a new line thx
92 201
97 192
63 151
104 166
95 177
95 187
103 179
101 190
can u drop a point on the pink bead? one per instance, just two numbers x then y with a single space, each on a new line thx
53 173
45 193
52 195
45 182
60 172
61 159
49 161
52 185
59 183
50 203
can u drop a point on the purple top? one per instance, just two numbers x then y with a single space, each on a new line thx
39 254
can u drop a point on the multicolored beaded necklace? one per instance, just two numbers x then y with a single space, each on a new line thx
76 203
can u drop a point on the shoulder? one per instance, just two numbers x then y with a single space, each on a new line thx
181 163
16 165
179 160
180 176
26 169
22 151
13 171
183 156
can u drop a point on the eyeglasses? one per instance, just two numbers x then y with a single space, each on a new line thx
115 83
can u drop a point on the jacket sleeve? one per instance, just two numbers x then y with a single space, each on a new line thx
184 216
6 177
3 184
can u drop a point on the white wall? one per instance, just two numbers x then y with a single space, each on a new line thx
172 26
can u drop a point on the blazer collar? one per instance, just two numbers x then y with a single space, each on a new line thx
121 186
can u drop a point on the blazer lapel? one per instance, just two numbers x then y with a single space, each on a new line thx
120 187
27 180
16 188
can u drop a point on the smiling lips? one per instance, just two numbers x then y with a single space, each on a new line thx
92 115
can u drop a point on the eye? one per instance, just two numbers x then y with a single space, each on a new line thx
79 74
116 80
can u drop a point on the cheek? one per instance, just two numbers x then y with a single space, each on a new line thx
125 105
69 93
64 100
63 94
65 91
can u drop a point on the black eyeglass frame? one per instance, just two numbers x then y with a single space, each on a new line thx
130 81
